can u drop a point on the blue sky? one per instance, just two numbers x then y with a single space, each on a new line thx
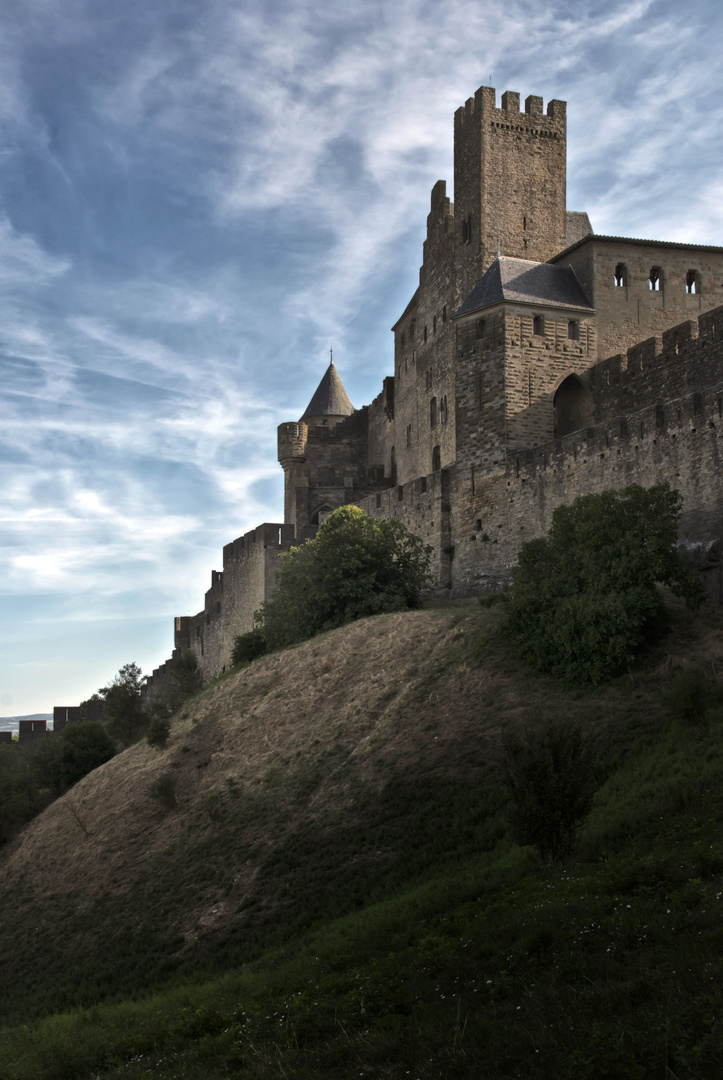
198 201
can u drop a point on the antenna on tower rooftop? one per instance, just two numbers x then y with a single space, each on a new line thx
331 357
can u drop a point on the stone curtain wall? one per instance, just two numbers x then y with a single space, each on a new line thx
660 418
250 564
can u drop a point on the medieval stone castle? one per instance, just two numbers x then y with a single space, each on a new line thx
535 362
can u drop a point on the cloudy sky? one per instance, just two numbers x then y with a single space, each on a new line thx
198 200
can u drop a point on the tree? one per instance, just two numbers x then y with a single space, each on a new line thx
355 566
548 774
86 745
46 761
249 646
159 730
17 791
584 598
123 707
185 676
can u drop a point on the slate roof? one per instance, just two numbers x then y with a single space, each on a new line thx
637 241
521 281
330 398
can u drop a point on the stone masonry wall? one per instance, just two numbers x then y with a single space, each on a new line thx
508 375
249 571
632 311
325 466
509 182
661 420
423 505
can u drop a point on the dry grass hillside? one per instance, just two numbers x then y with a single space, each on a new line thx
306 768
294 733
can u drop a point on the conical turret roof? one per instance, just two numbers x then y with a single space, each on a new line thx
330 399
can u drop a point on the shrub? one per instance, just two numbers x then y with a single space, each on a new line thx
159 730
548 775
248 647
17 791
46 762
355 566
690 695
163 790
584 598
85 746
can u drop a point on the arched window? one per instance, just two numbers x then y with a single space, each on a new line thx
321 513
433 412
479 329
436 459
692 282
573 407
656 276
621 276
573 330
538 325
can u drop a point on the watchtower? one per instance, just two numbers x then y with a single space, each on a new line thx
509 182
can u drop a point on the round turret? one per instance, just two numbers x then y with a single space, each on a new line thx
292 442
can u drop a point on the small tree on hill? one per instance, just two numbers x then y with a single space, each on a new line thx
85 746
548 774
123 707
46 762
249 646
17 791
355 566
584 598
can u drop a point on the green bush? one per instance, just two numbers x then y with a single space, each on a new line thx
692 697
85 746
584 598
548 775
17 791
355 566
159 730
46 761
248 647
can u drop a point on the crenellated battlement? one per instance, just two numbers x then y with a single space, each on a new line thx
483 108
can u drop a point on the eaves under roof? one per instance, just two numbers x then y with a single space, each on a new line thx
521 281
595 237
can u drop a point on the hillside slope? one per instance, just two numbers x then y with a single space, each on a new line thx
337 851
301 744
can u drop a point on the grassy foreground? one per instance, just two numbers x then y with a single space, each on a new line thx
335 892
